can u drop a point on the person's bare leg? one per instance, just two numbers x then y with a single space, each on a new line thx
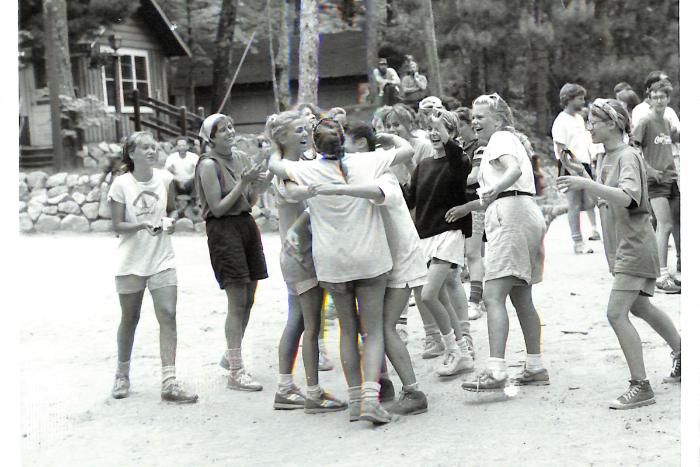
521 298
495 293
658 320
619 305
349 333
165 304
311 308
664 226
131 312
430 294
370 300
394 302
289 341
458 308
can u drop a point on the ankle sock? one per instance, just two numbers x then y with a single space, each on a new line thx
314 392
370 391
533 362
123 368
462 344
497 367
664 272
410 387
476 288
235 359
285 381
355 393
167 372
450 341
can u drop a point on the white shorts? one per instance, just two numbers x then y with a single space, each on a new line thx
447 246
402 284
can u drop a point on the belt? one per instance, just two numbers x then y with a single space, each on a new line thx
505 194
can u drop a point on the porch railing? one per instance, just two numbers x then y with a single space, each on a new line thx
165 119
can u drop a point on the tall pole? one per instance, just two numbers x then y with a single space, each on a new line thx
435 82
51 55
117 96
273 70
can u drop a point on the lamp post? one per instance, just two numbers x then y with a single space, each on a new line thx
115 41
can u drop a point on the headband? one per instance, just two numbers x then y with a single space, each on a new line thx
208 124
611 113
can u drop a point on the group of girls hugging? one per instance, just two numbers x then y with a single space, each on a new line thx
370 214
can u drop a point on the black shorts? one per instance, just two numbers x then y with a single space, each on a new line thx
235 249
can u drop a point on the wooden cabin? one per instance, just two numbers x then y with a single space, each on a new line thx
148 40
342 78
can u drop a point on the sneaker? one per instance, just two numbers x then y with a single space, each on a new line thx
240 380
470 345
410 403
675 376
372 411
354 407
386 390
580 248
172 391
532 378
676 278
667 286
120 390
595 236
639 394
455 363
475 310
324 363
289 399
485 381
402 330
326 403
434 347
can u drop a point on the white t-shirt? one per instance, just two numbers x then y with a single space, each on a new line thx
404 243
570 131
348 241
140 253
643 109
492 170
182 167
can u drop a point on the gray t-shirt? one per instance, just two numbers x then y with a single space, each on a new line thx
628 236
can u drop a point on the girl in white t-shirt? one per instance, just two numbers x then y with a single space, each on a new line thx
287 131
139 200
515 231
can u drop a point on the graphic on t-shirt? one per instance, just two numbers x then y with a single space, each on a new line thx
145 204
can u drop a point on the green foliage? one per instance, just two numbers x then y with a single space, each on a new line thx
527 49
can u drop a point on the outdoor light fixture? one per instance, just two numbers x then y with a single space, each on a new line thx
115 41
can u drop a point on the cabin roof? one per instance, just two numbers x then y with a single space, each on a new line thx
164 29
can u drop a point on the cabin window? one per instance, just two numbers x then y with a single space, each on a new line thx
133 71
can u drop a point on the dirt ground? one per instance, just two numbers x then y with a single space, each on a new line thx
68 358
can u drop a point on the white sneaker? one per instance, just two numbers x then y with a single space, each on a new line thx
580 248
475 310
324 363
455 363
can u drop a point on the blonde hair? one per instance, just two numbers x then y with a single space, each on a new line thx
404 114
130 145
278 125
449 119
504 115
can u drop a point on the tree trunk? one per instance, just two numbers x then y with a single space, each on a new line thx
284 54
308 52
189 97
222 73
57 52
271 50
435 81
375 21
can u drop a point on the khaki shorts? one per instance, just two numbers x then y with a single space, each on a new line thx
132 283
645 285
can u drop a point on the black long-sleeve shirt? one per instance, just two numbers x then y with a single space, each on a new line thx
437 185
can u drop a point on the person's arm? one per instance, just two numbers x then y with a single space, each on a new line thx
275 164
393 77
675 134
120 226
404 150
212 189
409 85
638 136
421 81
510 176
369 191
613 195
379 79
409 192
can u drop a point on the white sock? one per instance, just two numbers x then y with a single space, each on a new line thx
411 387
450 341
167 372
314 392
664 272
234 358
497 367
370 391
285 381
123 368
463 347
354 393
533 361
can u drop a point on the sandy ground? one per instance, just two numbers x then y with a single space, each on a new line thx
68 357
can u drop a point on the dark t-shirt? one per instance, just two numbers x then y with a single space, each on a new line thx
437 185
653 133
